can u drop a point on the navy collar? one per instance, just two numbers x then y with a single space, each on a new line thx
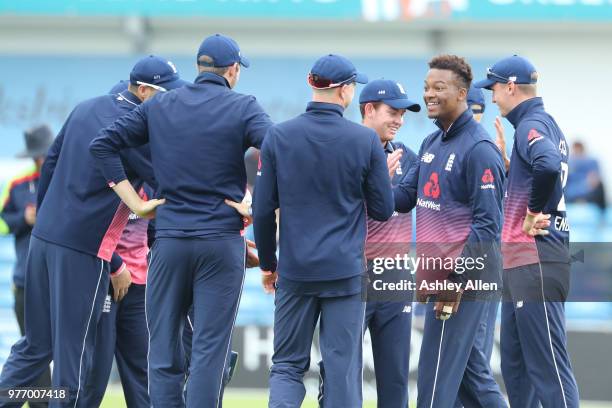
210 77
129 97
331 108
389 148
457 126
518 113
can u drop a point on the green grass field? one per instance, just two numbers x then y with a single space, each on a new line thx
114 399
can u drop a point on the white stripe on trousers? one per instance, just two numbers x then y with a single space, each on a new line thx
552 350
433 391
93 304
229 343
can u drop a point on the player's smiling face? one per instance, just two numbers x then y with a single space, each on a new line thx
441 93
386 121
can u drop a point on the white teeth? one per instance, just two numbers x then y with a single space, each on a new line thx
432 103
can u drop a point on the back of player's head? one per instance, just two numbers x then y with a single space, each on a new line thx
476 100
220 51
332 71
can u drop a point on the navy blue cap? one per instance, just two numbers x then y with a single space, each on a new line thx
119 87
333 70
511 69
475 96
223 50
390 93
156 72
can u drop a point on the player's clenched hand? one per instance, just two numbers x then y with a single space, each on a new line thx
393 161
252 259
447 303
268 279
121 282
536 224
146 209
500 141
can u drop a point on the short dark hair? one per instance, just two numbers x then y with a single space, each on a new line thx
207 66
362 107
457 65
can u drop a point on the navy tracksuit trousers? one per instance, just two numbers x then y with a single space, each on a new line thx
534 360
448 349
208 273
340 337
122 333
390 325
485 338
64 294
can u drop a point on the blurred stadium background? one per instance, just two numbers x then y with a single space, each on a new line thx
54 54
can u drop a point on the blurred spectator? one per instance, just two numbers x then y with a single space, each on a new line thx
584 183
17 217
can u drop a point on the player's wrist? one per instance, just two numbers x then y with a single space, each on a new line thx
120 270
533 213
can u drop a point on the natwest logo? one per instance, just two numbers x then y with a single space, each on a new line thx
430 205
432 187
487 176
487 180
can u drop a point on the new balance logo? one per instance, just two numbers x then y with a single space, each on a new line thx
407 309
427 157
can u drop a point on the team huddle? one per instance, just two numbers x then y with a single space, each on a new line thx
137 247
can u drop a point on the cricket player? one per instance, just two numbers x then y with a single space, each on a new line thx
18 216
457 190
535 244
72 250
322 171
485 338
198 135
383 103
122 329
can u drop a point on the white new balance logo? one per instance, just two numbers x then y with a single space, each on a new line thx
407 309
428 157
